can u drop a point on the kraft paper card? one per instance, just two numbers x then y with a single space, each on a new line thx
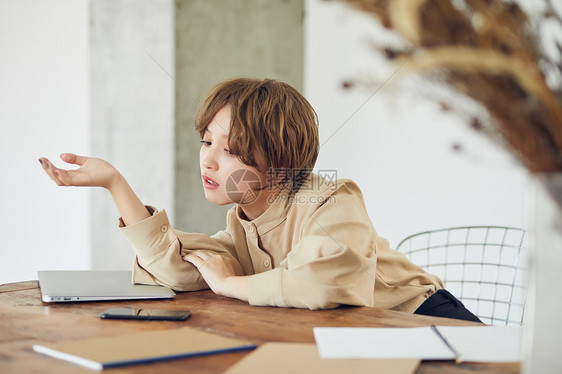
142 347
296 358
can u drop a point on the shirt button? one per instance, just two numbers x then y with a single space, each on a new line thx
266 263
164 228
252 229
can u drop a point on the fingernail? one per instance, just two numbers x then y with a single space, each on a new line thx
41 161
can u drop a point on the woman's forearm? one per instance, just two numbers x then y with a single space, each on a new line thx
237 287
130 207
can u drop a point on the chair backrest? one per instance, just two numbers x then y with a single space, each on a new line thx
481 265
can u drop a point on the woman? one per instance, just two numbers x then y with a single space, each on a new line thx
293 238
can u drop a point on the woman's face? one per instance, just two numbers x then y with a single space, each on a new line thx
225 178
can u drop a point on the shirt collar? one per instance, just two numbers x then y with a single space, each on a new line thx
274 215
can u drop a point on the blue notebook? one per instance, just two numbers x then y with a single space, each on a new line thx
142 347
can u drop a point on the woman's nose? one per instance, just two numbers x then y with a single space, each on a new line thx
208 158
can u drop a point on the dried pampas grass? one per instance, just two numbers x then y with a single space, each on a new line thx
488 50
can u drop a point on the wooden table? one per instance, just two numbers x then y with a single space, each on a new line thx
26 320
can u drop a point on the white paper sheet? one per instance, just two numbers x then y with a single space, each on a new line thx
486 343
351 342
478 343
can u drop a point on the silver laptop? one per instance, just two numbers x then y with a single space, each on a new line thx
93 285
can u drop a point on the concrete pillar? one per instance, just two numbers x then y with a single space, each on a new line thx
217 40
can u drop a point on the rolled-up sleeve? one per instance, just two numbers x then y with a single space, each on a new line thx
333 263
160 249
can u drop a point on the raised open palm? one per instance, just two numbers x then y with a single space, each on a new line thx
93 172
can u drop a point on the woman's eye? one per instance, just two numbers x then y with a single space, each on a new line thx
205 143
229 152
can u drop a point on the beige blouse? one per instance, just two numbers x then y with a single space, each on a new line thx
314 249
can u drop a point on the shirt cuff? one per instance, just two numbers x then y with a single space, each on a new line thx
266 289
150 236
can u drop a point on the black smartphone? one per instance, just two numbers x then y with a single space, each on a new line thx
152 314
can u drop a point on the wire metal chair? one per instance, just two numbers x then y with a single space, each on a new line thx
481 265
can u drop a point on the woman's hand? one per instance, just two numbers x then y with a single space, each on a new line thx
95 172
219 274
92 172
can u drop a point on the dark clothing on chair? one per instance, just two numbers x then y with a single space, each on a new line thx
443 304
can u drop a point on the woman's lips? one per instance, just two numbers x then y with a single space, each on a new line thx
209 183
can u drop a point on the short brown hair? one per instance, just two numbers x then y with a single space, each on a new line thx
270 120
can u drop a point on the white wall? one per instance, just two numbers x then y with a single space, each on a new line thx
43 111
395 144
